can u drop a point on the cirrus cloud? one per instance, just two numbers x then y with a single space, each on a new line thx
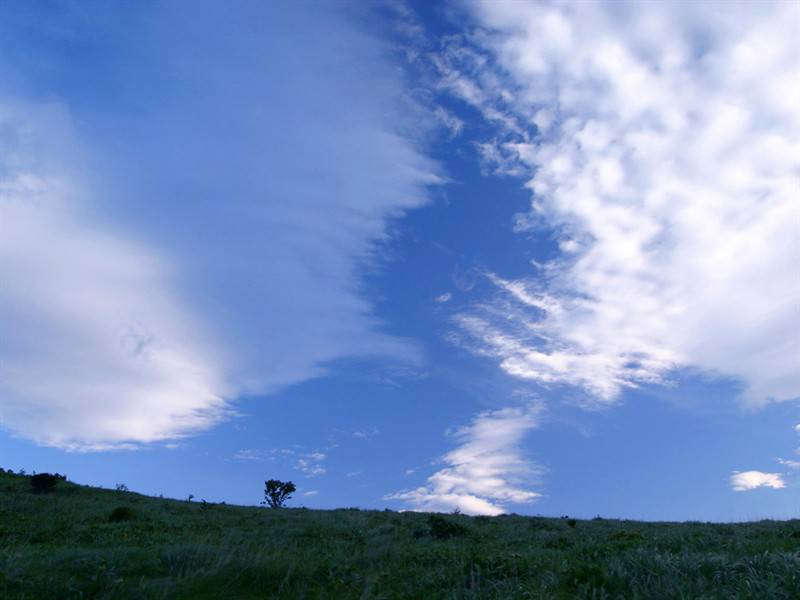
660 142
486 471
192 221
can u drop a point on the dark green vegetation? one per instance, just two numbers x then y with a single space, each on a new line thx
80 542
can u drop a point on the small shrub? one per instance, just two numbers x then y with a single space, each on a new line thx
584 575
277 492
121 487
626 539
45 483
443 529
419 532
626 535
121 513
557 543
572 522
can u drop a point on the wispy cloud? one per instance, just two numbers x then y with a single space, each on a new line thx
751 480
486 471
311 464
451 122
442 298
249 454
366 432
660 142
250 212
792 464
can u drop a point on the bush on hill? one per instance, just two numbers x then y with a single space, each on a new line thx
443 529
121 513
44 483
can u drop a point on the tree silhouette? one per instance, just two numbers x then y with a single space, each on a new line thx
45 483
277 492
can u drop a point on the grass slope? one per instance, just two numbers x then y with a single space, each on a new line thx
64 545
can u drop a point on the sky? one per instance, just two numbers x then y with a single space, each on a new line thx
487 257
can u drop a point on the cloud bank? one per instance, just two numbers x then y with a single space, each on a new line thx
661 143
96 346
486 471
188 200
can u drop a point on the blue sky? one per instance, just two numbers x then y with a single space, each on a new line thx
495 257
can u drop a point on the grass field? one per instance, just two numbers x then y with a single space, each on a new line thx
66 545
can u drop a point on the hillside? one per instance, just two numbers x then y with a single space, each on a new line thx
66 545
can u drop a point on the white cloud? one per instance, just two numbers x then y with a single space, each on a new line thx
442 298
792 464
668 163
367 432
284 452
311 493
486 471
750 480
309 464
97 348
453 124
248 454
254 181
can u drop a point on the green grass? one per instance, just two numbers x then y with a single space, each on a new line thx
65 545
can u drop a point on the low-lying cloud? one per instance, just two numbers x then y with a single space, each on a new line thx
750 480
486 471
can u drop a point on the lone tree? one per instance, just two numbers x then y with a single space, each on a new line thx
277 492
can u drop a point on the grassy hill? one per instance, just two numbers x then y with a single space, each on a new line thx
67 545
